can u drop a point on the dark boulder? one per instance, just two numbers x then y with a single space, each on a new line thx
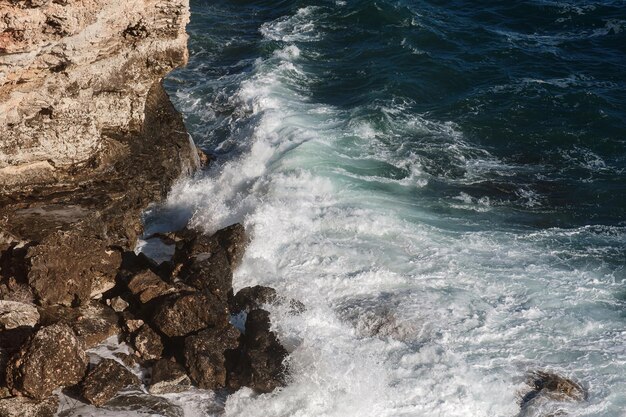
27 407
148 343
167 377
105 380
260 361
206 355
183 314
53 357
234 241
250 298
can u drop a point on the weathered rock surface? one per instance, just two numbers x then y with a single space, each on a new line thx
167 377
27 407
105 380
260 364
148 343
183 314
14 314
234 241
53 357
206 355
71 72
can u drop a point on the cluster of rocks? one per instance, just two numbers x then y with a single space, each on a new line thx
176 316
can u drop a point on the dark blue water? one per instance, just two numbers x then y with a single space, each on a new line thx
444 183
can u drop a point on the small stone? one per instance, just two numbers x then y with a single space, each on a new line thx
118 304
148 343
14 314
131 323
205 355
53 357
168 377
184 314
27 407
105 380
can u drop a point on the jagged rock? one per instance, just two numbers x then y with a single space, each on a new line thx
260 364
14 314
27 407
130 323
64 264
105 380
53 357
118 304
205 355
180 315
168 376
250 298
147 286
92 322
148 343
234 241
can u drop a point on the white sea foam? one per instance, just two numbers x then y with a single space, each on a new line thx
408 312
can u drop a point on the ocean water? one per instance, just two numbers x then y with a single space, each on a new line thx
441 183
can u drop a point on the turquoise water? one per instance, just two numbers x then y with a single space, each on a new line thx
443 184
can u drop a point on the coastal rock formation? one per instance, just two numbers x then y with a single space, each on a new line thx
168 376
24 406
547 390
54 357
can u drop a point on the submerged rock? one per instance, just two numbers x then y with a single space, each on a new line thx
53 357
205 356
144 404
105 380
167 377
547 391
27 407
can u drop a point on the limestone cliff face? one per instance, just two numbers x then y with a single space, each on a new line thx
74 74
88 138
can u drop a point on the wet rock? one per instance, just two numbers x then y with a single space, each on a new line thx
14 314
234 241
148 343
206 355
27 407
147 286
202 262
250 298
260 364
53 357
547 390
144 404
183 314
105 380
118 304
167 377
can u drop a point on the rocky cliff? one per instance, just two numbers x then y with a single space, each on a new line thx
74 76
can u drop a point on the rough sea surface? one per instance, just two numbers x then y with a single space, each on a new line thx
441 183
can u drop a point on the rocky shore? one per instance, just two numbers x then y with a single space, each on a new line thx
89 140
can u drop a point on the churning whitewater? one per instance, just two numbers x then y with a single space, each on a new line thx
447 233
